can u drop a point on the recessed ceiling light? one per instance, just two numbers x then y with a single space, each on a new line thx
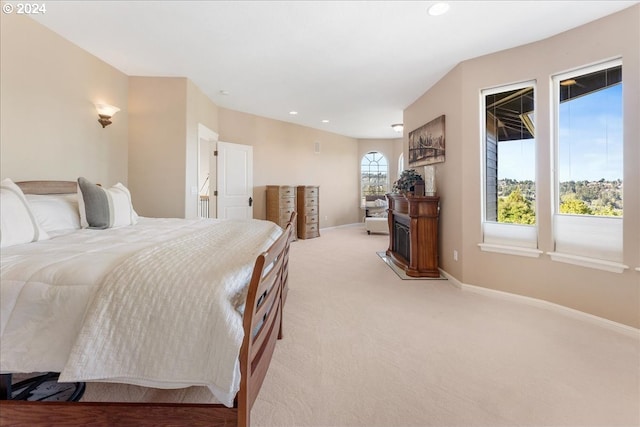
224 92
293 113
325 121
438 9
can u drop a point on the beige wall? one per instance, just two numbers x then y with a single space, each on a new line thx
163 144
445 98
609 295
283 154
48 121
157 145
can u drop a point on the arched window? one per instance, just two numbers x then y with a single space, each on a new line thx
374 174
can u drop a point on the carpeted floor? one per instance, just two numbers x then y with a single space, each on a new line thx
364 348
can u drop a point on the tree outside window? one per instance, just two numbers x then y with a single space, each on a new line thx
590 143
510 191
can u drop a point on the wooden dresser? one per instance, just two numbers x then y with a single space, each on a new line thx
413 234
281 203
308 211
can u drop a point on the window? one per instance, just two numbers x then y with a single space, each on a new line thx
400 164
509 185
374 174
590 143
589 163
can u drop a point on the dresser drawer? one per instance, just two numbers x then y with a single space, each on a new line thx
311 192
311 219
287 203
285 214
311 229
285 191
311 210
311 201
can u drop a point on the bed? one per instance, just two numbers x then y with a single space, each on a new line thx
165 303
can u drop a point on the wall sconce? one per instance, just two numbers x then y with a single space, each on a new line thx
398 127
105 112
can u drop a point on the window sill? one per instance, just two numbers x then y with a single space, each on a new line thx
599 264
510 250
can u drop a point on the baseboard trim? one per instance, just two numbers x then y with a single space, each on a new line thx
355 224
627 330
455 282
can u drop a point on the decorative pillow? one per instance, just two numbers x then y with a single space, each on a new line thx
17 223
55 212
102 208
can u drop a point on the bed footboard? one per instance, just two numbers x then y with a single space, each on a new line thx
23 413
263 323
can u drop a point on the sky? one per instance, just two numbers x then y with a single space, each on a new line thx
590 141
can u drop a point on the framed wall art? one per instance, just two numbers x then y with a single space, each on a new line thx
426 144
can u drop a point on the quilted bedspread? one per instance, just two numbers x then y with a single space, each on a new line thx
163 314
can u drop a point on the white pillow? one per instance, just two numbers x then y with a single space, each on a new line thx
17 223
102 208
55 212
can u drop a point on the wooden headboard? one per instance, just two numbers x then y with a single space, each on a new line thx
48 187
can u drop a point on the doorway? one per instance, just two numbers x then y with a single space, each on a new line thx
225 177
206 200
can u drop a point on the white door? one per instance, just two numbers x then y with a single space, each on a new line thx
235 181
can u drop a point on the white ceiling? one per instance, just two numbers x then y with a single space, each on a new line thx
357 64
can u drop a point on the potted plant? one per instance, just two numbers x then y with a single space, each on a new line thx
407 182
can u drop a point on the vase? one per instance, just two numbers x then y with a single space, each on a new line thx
429 180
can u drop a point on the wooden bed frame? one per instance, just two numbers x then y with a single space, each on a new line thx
266 295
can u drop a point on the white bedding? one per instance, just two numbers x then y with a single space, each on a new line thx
157 299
